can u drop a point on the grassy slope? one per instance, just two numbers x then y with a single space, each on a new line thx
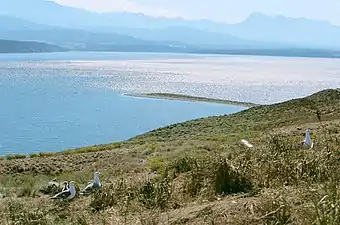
254 120
285 179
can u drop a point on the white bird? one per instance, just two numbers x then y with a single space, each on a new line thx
246 143
96 184
307 142
68 194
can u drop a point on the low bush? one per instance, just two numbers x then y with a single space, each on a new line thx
156 164
183 164
215 176
155 194
115 194
209 174
15 156
43 154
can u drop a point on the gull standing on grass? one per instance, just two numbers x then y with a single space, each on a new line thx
68 194
96 184
307 142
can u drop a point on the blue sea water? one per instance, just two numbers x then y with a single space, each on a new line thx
58 101
46 108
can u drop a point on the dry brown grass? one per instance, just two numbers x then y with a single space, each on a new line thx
196 172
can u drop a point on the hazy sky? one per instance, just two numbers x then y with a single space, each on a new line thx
219 10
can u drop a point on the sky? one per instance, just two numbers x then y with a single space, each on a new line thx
229 11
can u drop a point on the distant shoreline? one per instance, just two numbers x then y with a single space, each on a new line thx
285 52
290 53
180 97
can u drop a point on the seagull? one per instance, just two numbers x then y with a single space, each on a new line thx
68 194
246 143
307 142
95 184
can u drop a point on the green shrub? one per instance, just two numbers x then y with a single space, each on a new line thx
183 164
196 180
157 164
34 155
15 156
147 151
150 194
154 147
227 180
155 194
214 175
119 193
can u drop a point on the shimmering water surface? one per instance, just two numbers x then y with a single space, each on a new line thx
52 102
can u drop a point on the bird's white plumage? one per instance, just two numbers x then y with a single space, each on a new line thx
95 184
308 140
68 194
246 143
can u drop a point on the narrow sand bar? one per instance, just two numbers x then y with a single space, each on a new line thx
179 97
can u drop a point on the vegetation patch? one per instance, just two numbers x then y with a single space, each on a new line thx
96 148
15 156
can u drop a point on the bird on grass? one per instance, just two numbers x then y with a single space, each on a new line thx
307 142
67 194
246 143
93 185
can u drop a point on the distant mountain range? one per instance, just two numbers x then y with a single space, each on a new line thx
78 29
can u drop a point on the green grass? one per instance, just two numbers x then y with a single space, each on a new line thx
95 148
15 156
43 154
